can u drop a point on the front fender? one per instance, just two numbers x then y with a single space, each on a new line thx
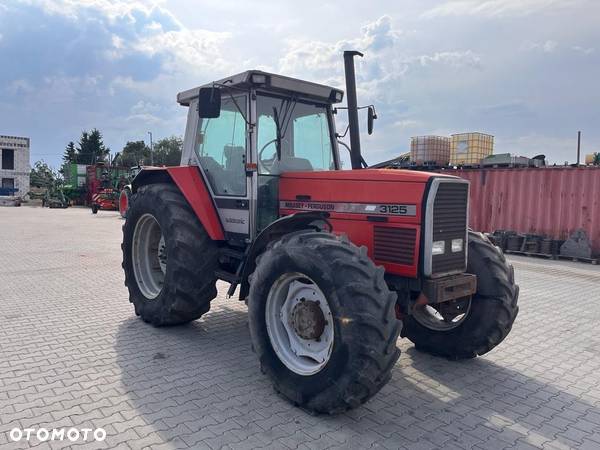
282 226
192 186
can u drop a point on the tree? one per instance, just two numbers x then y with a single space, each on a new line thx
134 153
167 151
42 175
596 159
116 159
70 154
91 148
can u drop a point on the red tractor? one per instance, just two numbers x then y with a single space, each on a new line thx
333 264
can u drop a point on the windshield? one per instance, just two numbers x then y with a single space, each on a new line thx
293 135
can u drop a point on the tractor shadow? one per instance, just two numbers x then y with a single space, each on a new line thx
201 384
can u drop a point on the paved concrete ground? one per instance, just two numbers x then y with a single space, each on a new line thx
73 354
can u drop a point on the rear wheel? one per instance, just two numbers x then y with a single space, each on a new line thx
168 258
466 328
322 321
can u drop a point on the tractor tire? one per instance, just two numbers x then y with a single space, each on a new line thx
168 258
492 312
359 338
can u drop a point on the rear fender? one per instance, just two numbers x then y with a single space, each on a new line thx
282 226
191 185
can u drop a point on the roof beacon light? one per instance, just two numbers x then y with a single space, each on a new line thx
258 78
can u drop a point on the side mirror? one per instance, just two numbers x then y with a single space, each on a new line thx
209 103
371 116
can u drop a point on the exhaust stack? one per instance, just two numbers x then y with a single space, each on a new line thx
355 155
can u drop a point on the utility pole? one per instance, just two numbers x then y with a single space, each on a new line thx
152 149
578 147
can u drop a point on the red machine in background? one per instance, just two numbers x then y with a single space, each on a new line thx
104 184
105 199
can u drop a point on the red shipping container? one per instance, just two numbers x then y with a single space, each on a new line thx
553 201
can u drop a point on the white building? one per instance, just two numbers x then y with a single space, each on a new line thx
14 165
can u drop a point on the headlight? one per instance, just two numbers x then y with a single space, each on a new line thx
457 245
438 248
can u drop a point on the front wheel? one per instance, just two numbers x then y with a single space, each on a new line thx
466 328
322 321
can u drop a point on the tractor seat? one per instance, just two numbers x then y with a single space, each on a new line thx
214 172
292 164
234 158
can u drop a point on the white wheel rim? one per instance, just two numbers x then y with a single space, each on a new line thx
299 324
149 256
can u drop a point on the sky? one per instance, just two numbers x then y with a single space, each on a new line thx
525 71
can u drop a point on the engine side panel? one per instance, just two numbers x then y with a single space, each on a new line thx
384 216
191 185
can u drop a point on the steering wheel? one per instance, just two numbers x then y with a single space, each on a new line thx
267 163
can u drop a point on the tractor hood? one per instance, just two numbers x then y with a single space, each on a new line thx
385 175
380 209
357 194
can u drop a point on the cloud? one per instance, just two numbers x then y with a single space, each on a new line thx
18 87
135 39
389 60
584 50
143 107
548 46
407 123
516 109
557 149
187 48
322 59
497 8
114 65
456 59
118 65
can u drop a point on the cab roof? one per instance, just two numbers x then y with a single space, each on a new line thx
269 82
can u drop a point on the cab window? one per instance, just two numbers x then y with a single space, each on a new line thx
221 148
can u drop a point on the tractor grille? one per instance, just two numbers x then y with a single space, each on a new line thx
394 245
450 222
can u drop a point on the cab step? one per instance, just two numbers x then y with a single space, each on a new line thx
227 276
232 253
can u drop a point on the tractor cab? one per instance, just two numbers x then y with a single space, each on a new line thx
245 131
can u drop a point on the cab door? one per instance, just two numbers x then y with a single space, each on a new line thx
221 148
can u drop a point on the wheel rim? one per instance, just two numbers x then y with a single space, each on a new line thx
443 316
149 256
299 324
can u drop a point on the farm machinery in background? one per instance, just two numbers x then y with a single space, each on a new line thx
53 195
105 183
100 186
